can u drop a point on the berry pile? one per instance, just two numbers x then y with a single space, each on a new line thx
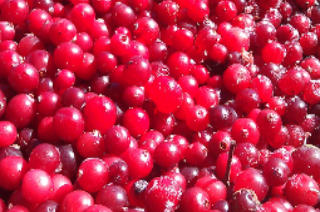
159 105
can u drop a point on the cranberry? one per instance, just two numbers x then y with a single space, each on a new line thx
48 206
21 110
36 186
136 121
276 172
273 52
45 157
166 93
117 139
305 160
179 64
48 103
62 30
82 15
226 10
236 77
252 179
269 122
222 117
61 187
15 11
293 82
73 97
198 118
137 71
113 197
18 208
195 199
244 200
139 162
9 60
122 15
68 160
15 167
76 200
235 39
146 30
245 130
247 154
160 192
68 124
68 55
302 189
216 190
99 113
119 172
92 169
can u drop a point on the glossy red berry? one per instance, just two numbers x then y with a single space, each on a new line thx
99 113
92 169
15 167
163 193
236 77
302 189
166 93
254 180
68 55
113 197
117 139
68 124
46 157
76 200
15 11
37 186
195 199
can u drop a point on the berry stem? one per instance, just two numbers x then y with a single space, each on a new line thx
228 169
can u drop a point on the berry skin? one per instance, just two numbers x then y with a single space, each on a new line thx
68 124
269 122
15 167
117 139
244 200
245 130
8 133
305 160
254 180
276 172
137 71
163 193
113 197
46 157
236 77
77 200
21 110
139 161
92 169
166 94
273 53
37 186
302 189
136 121
195 199
15 11
68 55
235 39
99 114
216 189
